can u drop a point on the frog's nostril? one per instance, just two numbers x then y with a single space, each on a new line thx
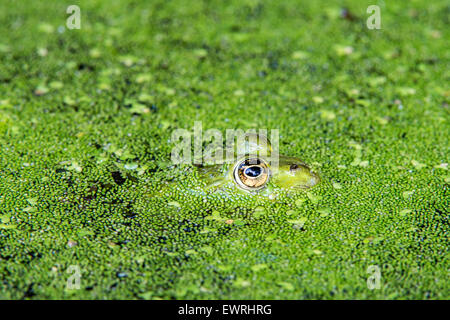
253 172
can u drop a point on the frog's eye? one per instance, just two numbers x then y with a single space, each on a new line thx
251 173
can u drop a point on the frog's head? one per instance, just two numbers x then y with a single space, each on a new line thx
259 170
258 174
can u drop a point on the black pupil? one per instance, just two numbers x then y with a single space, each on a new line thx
253 171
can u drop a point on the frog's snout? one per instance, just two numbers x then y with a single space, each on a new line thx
302 176
293 174
315 179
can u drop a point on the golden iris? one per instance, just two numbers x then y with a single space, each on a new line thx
251 173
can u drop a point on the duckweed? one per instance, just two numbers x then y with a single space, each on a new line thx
86 118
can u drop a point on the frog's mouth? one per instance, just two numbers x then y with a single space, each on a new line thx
307 183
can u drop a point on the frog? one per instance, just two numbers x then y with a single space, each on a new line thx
254 170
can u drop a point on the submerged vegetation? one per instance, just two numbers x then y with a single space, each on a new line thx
86 118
